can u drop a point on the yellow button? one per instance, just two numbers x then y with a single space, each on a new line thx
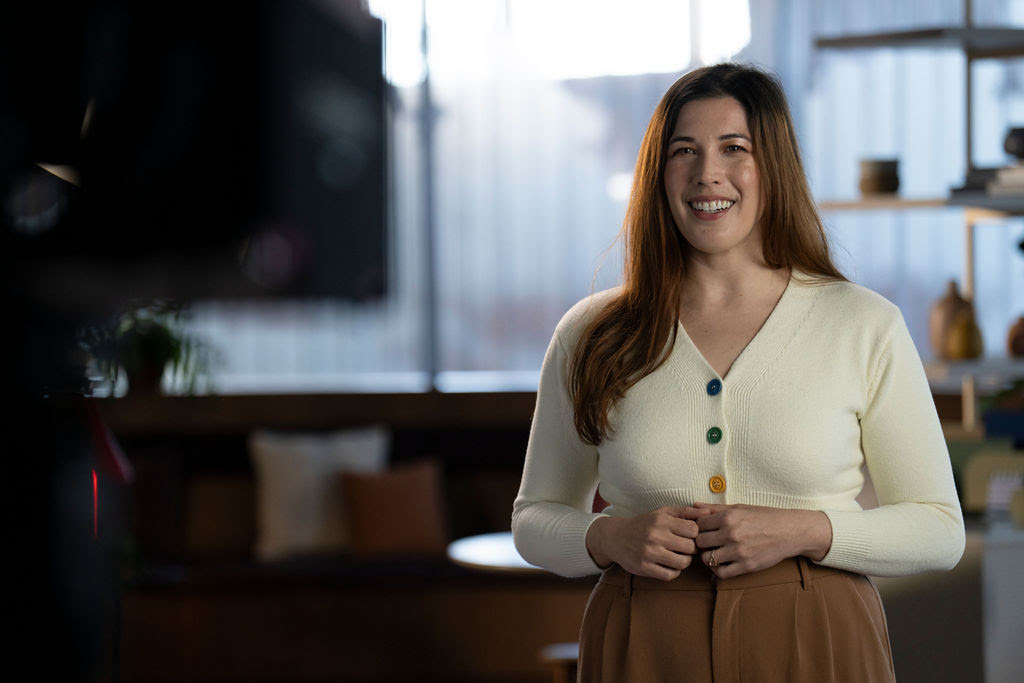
716 484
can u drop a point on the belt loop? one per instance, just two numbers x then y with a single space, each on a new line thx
805 572
627 584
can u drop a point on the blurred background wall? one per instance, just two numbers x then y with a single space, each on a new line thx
514 128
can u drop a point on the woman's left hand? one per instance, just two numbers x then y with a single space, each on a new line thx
738 539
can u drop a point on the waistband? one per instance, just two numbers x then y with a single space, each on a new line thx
697 577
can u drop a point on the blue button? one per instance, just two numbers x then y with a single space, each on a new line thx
714 386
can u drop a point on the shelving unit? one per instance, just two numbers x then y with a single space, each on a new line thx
976 43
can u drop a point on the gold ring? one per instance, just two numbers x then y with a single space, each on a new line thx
712 562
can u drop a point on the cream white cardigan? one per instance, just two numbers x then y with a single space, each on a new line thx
830 382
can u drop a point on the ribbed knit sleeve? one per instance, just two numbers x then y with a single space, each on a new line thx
552 512
918 525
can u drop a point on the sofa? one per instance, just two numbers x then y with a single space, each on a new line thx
206 597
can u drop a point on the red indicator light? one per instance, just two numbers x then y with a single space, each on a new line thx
95 506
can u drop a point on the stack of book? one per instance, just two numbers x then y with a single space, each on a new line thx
1006 181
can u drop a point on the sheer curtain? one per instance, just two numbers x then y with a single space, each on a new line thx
541 109
537 111
509 213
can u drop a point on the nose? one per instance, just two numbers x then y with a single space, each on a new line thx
708 169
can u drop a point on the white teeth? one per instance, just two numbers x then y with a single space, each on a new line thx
717 205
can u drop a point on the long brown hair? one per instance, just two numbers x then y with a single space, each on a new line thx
633 334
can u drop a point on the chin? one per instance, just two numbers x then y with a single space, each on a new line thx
714 247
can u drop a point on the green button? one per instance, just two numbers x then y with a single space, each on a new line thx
714 435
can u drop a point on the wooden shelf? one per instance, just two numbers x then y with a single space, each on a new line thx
990 374
973 377
882 202
977 43
1007 205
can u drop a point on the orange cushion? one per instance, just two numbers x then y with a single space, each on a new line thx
399 511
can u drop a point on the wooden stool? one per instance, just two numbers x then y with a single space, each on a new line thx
562 657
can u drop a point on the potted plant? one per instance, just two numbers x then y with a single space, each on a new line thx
143 343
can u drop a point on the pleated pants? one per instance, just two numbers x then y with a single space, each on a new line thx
795 622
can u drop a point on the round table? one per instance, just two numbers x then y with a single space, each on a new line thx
490 552
497 553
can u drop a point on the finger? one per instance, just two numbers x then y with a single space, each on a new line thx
721 556
665 540
729 570
687 560
687 528
695 512
711 539
734 567
710 522
678 544
657 571
663 522
672 559
653 570
675 511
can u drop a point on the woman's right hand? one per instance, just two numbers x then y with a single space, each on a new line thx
659 544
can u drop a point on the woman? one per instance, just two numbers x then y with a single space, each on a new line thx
726 397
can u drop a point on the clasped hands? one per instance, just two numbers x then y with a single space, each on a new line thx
730 539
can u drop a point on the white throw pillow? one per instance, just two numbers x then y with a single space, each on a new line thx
299 508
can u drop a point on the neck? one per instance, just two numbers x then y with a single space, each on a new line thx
727 282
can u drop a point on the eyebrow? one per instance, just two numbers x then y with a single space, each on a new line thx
727 136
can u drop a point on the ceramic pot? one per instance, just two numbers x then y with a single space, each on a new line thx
963 340
1013 144
879 176
940 320
1015 339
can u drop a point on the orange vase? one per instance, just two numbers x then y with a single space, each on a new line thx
941 317
963 340
1015 339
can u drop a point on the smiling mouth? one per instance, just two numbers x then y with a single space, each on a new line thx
716 206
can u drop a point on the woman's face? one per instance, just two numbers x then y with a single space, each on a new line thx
711 178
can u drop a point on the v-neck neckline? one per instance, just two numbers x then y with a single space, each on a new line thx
766 337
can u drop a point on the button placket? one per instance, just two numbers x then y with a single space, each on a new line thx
714 434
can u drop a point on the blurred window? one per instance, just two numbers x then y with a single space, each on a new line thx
537 109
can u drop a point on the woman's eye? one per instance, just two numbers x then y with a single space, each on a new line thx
736 148
683 150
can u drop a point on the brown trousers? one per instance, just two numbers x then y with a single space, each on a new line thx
795 622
